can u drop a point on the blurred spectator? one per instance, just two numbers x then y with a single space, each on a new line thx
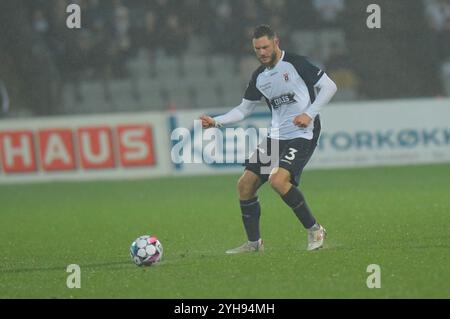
300 17
121 25
175 42
101 57
339 68
329 11
438 14
192 16
151 40
4 100
226 34
40 23
222 25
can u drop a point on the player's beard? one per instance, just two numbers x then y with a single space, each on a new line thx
271 63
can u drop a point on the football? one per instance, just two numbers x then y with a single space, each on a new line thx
146 251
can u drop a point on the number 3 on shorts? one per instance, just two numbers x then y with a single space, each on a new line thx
291 154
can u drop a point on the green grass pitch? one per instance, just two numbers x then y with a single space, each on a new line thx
395 217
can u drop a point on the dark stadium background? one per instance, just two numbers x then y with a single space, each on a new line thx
118 60
145 67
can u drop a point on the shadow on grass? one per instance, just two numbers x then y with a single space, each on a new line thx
183 259
190 258
108 265
180 260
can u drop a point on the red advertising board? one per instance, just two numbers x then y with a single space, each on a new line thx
17 151
93 147
56 149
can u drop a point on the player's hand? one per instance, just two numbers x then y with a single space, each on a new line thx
302 120
207 121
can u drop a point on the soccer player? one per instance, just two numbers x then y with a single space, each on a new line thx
295 91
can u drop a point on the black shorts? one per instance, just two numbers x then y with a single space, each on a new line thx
293 155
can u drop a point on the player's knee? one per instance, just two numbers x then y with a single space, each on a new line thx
275 181
278 182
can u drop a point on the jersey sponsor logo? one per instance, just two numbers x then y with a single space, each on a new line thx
284 99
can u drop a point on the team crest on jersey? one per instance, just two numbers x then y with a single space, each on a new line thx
286 76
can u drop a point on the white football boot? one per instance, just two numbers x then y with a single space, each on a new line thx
316 238
248 247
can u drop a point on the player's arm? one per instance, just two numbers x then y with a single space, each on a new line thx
252 97
317 79
237 114
326 90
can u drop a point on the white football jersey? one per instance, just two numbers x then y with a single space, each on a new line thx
288 89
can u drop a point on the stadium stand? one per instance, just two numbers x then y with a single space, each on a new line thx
158 54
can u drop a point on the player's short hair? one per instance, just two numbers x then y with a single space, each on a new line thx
263 30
